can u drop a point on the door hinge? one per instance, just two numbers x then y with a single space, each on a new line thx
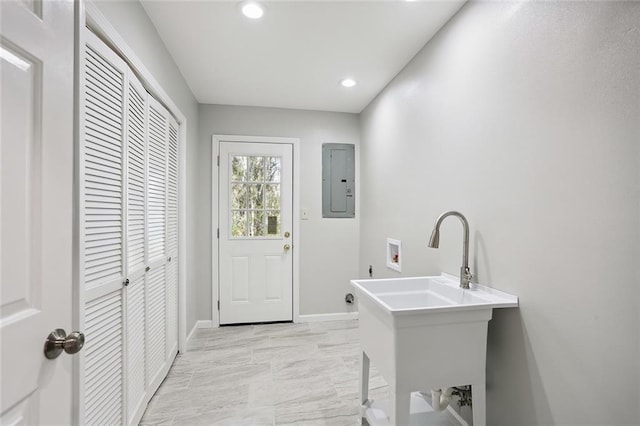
218 233
218 161
218 305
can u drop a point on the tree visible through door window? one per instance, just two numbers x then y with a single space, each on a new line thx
255 196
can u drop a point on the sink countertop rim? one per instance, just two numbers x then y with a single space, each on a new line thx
493 298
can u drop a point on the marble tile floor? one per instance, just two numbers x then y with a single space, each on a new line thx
271 374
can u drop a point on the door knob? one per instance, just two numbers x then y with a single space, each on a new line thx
58 341
287 247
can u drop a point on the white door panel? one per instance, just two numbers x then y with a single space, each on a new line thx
36 206
103 360
136 341
156 172
136 250
172 238
255 221
158 127
103 221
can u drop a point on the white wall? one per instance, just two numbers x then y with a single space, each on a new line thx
525 117
132 23
328 247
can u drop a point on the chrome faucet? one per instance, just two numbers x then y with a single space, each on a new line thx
434 242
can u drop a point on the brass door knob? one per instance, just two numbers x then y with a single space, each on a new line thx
287 247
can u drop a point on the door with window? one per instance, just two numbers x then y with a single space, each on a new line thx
255 232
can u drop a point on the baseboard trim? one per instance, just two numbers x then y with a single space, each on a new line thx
338 316
196 326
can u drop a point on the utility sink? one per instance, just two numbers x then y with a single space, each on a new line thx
420 295
425 333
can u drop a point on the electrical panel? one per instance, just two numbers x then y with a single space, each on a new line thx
338 180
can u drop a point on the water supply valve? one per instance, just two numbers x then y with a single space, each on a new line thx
349 298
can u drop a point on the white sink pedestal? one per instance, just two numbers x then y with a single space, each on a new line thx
422 348
423 354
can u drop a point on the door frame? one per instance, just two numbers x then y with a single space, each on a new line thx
215 169
89 15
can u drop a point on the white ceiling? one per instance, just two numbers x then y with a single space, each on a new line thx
297 53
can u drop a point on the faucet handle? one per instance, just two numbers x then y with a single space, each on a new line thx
467 273
465 277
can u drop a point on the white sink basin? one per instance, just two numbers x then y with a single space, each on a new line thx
425 333
415 295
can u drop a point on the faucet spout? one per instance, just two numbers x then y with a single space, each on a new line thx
434 242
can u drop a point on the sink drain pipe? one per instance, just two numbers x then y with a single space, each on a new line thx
439 399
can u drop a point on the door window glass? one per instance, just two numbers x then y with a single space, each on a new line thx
255 196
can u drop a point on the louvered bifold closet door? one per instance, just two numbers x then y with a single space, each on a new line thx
136 250
102 245
157 136
172 237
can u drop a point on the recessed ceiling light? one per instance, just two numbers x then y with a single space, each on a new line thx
348 82
252 9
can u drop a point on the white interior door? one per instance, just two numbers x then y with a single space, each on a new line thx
255 232
102 240
156 237
36 208
136 261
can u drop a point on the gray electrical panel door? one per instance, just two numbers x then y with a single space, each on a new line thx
338 180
